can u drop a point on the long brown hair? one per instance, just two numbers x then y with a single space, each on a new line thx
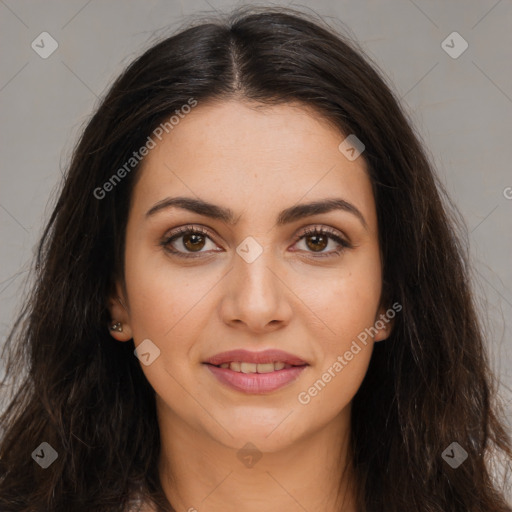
429 385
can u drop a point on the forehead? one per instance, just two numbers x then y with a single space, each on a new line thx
251 154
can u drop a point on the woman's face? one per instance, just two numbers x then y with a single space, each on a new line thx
257 281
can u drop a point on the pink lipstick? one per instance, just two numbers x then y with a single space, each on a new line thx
256 372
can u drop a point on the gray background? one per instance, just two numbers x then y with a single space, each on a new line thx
461 108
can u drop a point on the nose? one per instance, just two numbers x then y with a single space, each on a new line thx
257 298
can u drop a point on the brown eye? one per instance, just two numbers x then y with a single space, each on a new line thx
186 241
317 242
193 241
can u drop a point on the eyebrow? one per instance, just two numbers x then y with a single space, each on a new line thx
287 216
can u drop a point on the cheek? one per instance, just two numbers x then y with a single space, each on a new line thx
166 308
163 297
332 389
169 306
346 300
347 305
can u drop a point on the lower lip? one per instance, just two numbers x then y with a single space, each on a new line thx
256 383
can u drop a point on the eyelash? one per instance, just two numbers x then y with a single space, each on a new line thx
197 230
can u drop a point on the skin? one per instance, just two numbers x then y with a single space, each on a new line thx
257 161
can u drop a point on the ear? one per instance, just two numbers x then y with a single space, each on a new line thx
384 322
119 313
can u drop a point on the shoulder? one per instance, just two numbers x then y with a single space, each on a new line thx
147 507
139 505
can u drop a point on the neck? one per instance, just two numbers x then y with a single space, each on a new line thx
198 472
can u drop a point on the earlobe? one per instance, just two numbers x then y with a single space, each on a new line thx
119 326
384 325
120 332
382 335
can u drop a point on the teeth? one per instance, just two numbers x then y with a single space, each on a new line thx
248 367
265 368
243 367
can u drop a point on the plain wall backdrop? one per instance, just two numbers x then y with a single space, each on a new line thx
460 102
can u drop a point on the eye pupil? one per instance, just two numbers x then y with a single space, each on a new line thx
191 239
315 246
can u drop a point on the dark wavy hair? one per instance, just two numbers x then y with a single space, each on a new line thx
428 385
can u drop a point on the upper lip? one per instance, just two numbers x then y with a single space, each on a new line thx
265 356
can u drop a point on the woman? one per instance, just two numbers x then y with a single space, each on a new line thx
251 296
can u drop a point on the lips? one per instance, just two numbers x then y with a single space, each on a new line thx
256 372
263 357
